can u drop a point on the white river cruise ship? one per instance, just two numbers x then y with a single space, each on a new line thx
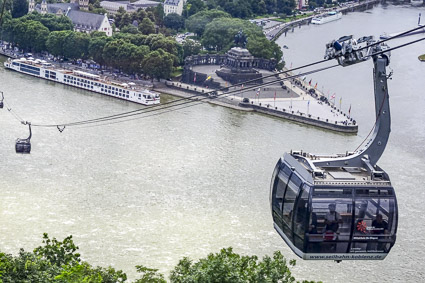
326 18
84 80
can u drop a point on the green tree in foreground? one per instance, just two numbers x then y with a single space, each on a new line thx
58 261
227 266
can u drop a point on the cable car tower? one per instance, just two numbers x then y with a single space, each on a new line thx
341 206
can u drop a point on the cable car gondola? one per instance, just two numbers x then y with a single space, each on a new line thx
24 145
1 100
339 207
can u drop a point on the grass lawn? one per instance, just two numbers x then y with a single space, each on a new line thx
177 72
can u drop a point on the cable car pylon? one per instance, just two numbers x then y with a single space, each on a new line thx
340 206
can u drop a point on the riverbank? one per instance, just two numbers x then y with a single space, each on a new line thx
310 108
274 32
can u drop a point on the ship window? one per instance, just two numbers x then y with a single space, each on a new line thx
128 92
120 90
126 96
140 95
101 89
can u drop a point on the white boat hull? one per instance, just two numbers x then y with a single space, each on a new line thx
326 19
77 79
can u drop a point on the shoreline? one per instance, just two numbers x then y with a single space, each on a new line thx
264 107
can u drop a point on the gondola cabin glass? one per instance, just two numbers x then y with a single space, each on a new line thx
335 221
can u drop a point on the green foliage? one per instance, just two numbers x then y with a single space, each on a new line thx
19 8
192 7
158 64
220 34
249 8
55 42
227 266
130 29
261 47
58 253
52 22
27 34
191 47
146 26
149 275
84 272
174 21
76 46
57 261
198 22
26 267
96 46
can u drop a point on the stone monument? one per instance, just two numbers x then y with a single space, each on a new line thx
238 66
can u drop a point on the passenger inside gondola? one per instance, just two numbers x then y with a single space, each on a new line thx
332 219
379 226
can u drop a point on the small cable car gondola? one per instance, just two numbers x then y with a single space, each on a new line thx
339 207
24 145
1 100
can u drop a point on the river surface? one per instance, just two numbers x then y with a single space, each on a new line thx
190 182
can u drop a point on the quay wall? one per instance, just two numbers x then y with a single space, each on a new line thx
264 109
301 118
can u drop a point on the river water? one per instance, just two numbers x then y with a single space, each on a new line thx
190 182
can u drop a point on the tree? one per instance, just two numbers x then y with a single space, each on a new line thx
220 33
84 272
192 7
158 11
76 46
174 21
198 22
191 47
240 9
20 8
261 47
36 36
146 26
130 29
158 64
96 46
227 266
55 42
58 253
57 261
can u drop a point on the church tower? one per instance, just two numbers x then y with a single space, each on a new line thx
84 5
43 7
31 6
